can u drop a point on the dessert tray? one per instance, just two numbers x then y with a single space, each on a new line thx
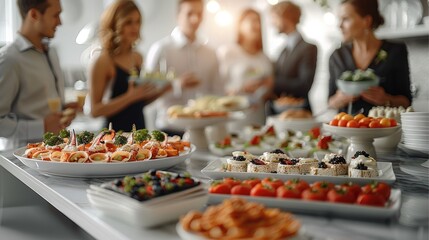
324 208
67 169
216 170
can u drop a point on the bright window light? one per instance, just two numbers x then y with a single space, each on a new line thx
329 18
223 18
273 2
213 6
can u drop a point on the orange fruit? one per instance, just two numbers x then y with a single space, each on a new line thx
375 124
339 115
364 122
393 122
359 116
343 123
353 124
347 117
385 122
334 122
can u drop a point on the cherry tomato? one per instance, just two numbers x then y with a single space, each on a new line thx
252 182
323 186
314 194
342 195
299 184
255 140
378 187
371 199
315 132
352 187
289 191
242 189
231 181
262 191
220 188
272 182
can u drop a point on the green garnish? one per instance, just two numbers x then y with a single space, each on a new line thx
53 141
84 137
120 140
158 135
64 133
141 135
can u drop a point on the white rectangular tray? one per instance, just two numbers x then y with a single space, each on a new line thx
215 170
324 208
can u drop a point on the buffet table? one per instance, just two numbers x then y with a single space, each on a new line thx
68 195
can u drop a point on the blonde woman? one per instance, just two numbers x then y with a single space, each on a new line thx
113 93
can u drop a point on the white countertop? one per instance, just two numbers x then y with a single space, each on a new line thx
68 195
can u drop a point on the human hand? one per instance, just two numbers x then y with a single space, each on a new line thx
251 87
376 96
189 80
143 91
74 105
52 123
340 99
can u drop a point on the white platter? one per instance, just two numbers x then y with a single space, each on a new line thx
281 125
147 216
325 208
100 169
185 235
214 170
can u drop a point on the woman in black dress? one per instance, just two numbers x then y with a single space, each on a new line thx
112 93
362 50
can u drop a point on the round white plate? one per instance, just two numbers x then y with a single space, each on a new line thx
413 152
100 169
185 235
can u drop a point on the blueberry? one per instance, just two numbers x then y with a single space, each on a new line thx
118 183
239 158
152 172
322 165
278 151
358 153
361 166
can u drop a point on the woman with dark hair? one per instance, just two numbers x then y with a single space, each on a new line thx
363 50
244 67
113 95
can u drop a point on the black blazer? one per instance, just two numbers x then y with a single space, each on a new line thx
393 71
294 71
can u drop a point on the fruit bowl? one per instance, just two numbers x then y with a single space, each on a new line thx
356 87
361 139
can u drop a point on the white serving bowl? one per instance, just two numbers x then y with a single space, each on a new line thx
356 87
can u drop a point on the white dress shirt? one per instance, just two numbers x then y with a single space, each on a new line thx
26 84
180 55
238 68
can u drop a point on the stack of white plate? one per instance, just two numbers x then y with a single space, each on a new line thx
415 131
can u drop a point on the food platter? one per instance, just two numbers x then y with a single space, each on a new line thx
215 170
324 208
66 169
186 235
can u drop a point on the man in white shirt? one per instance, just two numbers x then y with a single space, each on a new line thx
194 64
30 75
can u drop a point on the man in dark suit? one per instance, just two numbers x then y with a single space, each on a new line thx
296 66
